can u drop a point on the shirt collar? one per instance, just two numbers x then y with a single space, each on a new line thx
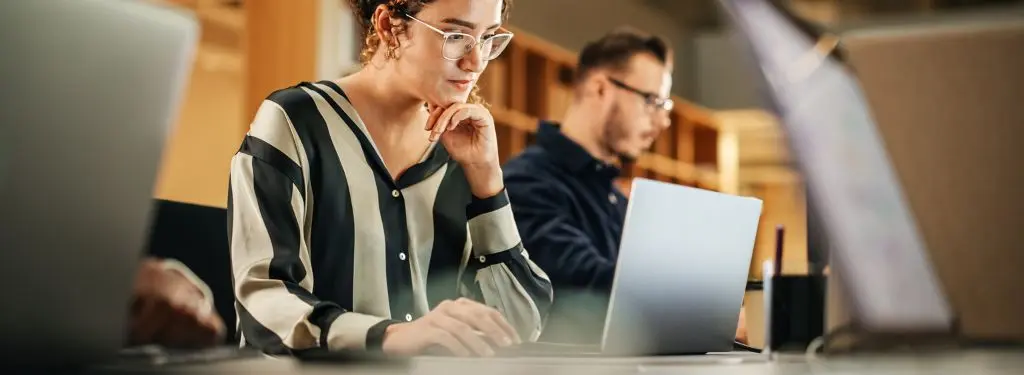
570 154
436 158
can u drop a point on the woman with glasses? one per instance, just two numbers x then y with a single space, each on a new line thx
369 212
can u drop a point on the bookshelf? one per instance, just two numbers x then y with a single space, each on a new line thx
532 80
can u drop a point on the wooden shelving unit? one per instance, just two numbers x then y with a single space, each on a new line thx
532 80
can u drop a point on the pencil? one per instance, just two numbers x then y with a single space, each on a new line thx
780 232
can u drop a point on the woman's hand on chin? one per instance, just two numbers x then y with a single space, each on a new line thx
467 132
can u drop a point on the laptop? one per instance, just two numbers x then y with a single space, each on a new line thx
90 91
954 142
874 238
681 274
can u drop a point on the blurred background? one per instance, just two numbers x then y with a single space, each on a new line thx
721 138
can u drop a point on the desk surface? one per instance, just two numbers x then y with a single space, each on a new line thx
965 362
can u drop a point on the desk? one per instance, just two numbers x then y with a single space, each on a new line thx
965 362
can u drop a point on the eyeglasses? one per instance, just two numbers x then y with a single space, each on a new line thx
457 45
651 99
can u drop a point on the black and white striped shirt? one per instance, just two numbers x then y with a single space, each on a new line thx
327 248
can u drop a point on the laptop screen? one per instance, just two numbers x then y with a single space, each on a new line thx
875 241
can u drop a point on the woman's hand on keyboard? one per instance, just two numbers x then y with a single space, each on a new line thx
463 327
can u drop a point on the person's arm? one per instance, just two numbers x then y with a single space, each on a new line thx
508 280
172 308
273 279
173 265
554 238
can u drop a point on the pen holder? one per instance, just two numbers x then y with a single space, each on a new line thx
794 311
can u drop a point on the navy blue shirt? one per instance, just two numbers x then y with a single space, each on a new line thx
570 215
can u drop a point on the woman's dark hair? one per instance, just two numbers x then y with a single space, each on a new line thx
364 9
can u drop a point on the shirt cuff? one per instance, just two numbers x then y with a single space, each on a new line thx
177 266
480 206
353 330
375 335
492 227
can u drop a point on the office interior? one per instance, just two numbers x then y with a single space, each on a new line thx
953 128
946 105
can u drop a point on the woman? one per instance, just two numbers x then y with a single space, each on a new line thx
369 212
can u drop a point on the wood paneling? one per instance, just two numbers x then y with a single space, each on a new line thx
205 136
753 301
245 54
206 133
783 205
280 49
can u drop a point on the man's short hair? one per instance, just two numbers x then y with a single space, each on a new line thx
614 50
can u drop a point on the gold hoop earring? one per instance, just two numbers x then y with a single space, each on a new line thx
391 52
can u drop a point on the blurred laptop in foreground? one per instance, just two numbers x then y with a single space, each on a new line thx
854 180
954 129
874 237
90 91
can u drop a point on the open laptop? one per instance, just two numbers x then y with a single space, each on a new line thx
873 235
955 128
90 90
680 277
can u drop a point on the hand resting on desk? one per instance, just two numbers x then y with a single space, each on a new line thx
463 327
172 308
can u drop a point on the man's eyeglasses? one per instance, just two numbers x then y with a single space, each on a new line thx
651 99
456 45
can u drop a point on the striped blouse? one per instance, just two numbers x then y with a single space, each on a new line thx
327 249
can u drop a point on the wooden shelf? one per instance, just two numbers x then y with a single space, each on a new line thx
532 80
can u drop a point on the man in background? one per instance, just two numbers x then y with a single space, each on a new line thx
568 210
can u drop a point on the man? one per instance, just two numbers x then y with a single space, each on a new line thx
569 212
171 307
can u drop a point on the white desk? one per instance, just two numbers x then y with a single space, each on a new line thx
953 363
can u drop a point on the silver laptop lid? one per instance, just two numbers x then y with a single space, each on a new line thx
682 270
90 90
875 241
